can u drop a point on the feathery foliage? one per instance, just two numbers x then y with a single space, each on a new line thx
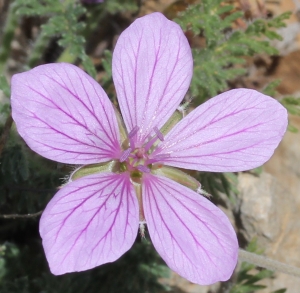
63 23
226 44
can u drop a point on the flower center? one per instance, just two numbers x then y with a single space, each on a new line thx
137 160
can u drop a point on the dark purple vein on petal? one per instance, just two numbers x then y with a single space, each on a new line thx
180 220
182 203
176 215
87 108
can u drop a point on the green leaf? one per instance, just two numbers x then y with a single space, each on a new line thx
292 128
115 6
4 86
273 35
257 171
270 89
225 47
279 291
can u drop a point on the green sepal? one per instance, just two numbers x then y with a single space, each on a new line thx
175 118
122 129
86 170
178 176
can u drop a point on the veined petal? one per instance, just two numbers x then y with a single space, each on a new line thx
152 70
64 115
192 235
234 131
89 222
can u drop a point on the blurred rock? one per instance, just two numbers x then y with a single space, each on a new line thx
291 33
263 210
270 208
287 69
265 8
150 6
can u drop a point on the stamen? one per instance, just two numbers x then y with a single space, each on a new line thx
151 141
143 169
158 159
132 134
159 134
125 155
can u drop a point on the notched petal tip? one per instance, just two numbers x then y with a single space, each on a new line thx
89 222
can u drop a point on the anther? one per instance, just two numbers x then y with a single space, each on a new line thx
143 169
159 134
133 131
132 134
158 158
150 143
125 155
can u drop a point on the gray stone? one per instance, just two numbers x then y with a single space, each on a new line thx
269 208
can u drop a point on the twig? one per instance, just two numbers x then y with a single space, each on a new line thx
33 190
267 263
5 133
18 216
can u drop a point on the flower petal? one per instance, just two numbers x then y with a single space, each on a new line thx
192 235
234 131
89 222
64 115
152 70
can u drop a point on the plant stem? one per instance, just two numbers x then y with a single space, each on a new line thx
18 216
267 263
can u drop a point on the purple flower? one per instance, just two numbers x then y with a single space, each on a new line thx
126 177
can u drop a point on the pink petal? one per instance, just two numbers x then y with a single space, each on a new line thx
192 235
234 131
64 115
152 70
89 222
